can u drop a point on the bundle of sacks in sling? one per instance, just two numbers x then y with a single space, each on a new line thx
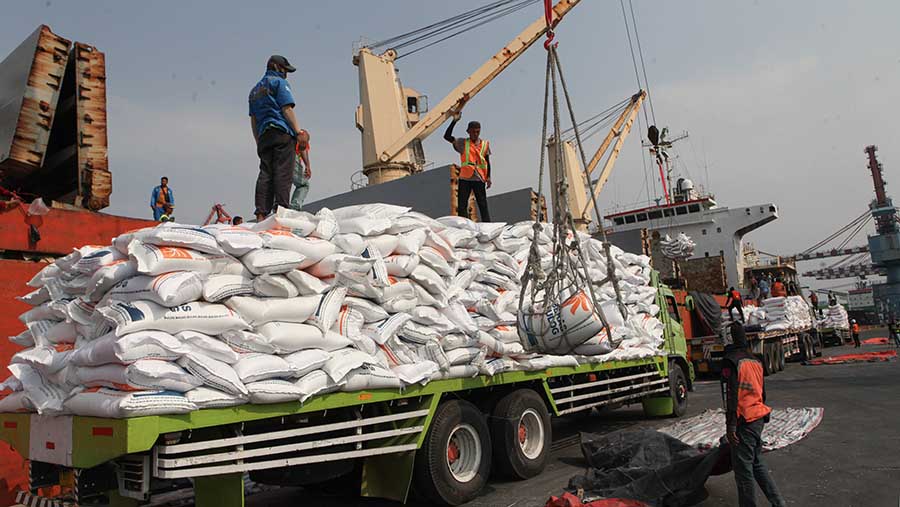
175 318
679 247
835 317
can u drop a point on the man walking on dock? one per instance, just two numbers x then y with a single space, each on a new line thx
474 168
744 394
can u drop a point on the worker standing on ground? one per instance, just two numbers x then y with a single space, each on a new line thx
744 394
854 329
162 200
275 129
302 170
474 168
778 289
734 301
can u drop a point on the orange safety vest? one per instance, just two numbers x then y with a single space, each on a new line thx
473 161
855 328
750 404
778 290
735 295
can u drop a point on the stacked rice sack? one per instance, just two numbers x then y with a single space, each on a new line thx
175 318
786 313
835 317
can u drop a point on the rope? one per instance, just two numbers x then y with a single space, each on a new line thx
568 274
452 26
637 76
840 231
637 39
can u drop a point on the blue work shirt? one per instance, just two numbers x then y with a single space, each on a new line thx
270 94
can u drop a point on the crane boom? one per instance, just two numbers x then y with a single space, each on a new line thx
456 99
631 113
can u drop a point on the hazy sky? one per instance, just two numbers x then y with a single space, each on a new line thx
779 98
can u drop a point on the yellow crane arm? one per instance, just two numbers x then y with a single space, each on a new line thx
456 99
620 131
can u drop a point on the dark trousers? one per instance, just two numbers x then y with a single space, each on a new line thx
749 469
856 342
740 308
463 190
276 170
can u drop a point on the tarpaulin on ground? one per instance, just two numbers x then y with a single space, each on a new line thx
709 310
785 427
875 341
647 466
861 357
570 500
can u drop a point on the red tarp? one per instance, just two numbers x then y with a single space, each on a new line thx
862 357
875 341
570 500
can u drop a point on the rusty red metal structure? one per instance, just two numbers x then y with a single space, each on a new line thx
53 145
53 139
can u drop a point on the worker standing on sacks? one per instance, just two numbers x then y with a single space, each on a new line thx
744 393
474 168
275 130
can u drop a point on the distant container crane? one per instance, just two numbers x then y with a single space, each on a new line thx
884 246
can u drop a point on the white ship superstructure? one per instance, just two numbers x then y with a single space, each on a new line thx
715 229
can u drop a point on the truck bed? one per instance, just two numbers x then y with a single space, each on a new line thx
85 442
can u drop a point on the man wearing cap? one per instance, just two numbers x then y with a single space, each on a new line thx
474 168
746 413
275 129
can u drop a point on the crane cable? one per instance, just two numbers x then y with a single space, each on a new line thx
837 234
451 27
567 274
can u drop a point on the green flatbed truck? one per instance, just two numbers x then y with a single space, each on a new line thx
443 439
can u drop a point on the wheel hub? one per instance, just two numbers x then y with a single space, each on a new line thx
452 452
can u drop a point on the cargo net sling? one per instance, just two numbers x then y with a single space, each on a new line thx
560 305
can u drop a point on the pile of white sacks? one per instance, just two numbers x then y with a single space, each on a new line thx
776 314
176 318
835 317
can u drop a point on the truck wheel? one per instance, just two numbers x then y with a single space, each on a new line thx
521 433
679 389
767 359
779 363
455 460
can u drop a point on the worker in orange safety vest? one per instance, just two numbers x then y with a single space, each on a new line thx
744 394
474 168
854 329
778 289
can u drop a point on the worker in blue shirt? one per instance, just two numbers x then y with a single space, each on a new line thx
275 130
162 200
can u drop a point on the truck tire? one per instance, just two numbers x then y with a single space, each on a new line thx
678 387
521 433
779 362
766 359
454 462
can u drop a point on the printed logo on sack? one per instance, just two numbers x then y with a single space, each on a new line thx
577 301
170 252
133 313
98 253
554 320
